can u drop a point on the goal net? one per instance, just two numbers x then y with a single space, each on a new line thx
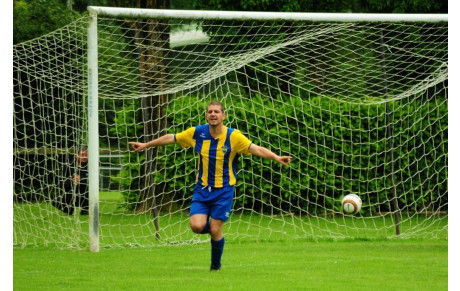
360 106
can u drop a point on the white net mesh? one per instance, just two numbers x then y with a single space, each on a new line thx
361 108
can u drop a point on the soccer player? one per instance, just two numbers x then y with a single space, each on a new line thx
219 148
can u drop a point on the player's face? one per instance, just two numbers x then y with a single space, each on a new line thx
82 156
214 115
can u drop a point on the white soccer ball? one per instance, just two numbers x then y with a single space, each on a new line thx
351 204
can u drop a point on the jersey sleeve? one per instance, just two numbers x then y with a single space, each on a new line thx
240 142
185 138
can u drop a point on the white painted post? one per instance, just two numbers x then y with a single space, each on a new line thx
266 16
93 134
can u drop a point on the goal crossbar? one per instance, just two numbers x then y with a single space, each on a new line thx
264 16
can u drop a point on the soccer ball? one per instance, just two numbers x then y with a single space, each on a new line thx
351 204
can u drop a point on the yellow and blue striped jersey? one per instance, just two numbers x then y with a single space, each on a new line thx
218 158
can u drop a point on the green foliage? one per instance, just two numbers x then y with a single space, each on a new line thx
412 6
126 123
342 148
129 178
338 148
357 6
34 18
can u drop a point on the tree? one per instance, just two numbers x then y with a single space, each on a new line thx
153 69
412 6
33 18
357 6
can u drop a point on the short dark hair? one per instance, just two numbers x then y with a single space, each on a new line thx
216 103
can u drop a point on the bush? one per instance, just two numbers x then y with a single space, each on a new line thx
337 148
34 18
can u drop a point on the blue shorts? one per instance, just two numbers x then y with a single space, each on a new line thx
214 202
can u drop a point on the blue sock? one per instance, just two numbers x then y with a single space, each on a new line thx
217 248
207 228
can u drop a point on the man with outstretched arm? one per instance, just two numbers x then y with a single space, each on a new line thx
219 148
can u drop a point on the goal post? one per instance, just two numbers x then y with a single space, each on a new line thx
358 100
93 133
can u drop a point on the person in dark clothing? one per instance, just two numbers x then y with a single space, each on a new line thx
75 187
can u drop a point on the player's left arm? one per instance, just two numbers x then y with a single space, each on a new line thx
265 153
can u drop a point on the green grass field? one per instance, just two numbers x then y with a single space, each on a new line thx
257 255
294 265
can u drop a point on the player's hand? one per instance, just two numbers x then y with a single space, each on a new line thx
76 178
284 160
137 146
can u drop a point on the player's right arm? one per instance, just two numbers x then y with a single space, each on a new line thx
161 141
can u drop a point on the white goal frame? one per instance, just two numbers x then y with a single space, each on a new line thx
94 12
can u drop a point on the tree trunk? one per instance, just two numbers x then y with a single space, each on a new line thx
152 38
